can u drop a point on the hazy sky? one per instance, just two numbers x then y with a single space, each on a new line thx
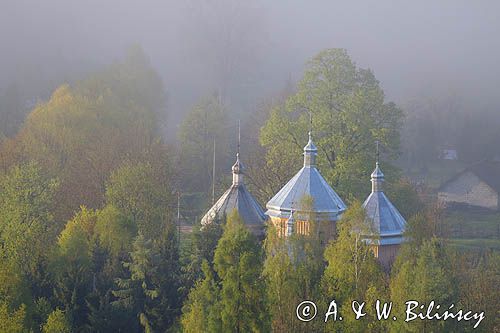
414 47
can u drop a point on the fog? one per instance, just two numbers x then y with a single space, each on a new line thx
248 50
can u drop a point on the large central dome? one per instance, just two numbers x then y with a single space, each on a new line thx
308 182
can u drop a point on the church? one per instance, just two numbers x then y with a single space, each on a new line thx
307 201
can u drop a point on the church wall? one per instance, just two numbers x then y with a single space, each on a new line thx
386 254
326 232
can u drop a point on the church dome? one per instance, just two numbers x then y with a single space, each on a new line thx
386 222
238 198
308 182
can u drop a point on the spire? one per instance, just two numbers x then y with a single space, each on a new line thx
238 166
310 150
377 175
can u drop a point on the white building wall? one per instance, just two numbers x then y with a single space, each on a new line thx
469 189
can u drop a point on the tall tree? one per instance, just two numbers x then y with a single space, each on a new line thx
27 227
238 263
352 272
425 277
205 123
150 293
143 193
200 312
349 115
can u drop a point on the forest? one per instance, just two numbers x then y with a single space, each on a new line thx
90 235
107 166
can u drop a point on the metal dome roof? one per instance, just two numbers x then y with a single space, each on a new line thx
307 182
385 220
237 197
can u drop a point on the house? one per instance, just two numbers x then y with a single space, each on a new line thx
478 185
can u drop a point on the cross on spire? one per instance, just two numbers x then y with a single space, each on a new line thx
239 138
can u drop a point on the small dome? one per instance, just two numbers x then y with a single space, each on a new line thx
377 173
385 221
238 166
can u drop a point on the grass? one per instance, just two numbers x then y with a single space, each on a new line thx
475 244
473 223
474 229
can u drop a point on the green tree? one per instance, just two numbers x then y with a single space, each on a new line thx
27 228
238 263
57 323
200 312
207 121
151 290
424 277
85 131
143 193
352 272
12 321
349 115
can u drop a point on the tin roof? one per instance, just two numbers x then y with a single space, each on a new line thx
385 220
237 197
307 182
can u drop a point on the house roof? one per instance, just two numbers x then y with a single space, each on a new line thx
487 171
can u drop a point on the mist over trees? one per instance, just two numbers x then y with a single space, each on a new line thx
113 115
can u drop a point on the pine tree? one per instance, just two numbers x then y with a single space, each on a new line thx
150 293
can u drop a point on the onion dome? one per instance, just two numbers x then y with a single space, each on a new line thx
386 222
237 197
308 182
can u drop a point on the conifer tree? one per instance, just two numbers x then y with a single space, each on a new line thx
200 312
238 263
150 293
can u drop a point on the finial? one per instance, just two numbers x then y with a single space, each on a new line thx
377 143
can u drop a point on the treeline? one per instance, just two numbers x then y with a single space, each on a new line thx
88 234
246 287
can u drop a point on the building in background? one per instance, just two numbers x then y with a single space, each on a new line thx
478 185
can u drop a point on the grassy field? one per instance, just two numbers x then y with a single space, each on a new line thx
474 229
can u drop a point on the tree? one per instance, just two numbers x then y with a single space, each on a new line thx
142 193
84 132
200 312
238 263
57 323
150 293
207 121
425 277
349 115
27 228
352 272
12 321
